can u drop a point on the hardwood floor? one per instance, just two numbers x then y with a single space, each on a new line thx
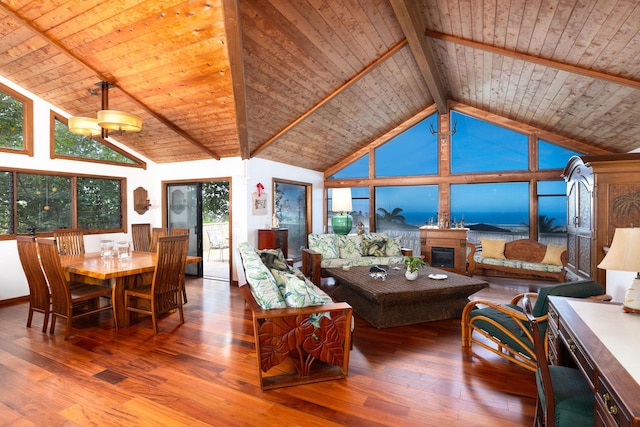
204 373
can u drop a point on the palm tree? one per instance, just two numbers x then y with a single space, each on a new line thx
545 225
393 216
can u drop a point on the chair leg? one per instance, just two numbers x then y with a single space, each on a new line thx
53 323
30 317
184 292
45 323
67 332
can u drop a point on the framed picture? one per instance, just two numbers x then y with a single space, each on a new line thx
259 203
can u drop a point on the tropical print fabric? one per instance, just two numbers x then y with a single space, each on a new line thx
325 244
350 246
260 280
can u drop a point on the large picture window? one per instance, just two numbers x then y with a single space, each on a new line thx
40 203
292 207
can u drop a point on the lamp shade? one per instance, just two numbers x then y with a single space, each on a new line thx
86 126
341 200
624 253
119 120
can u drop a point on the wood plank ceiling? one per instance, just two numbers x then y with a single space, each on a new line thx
310 82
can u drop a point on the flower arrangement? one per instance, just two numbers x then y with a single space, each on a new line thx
414 263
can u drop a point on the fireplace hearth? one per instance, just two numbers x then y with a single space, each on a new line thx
445 248
442 257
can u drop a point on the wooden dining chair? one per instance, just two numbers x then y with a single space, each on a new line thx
156 233
39 295
70 241
141 237
181 232
68 301
564 396
164 293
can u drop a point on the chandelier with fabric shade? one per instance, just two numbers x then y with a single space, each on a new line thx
106 120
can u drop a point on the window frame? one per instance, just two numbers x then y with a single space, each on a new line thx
27 122
137 163
73 200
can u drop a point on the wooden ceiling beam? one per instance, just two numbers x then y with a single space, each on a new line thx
28 24
410 18
329 97
635 84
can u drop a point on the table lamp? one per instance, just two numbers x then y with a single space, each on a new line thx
341 202
624 255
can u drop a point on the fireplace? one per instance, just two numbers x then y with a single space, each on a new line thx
442 257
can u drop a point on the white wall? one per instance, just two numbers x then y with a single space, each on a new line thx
244 177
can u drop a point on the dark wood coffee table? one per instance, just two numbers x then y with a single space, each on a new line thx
397 301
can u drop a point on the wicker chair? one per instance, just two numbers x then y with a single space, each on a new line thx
564 395
70 241
503 327
164 293
68 301
141 237
39 296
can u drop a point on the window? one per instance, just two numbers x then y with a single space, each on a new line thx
413 152
16 122
501 208
69 145
551 156
552 212
357 169
474 147
292 207
45 202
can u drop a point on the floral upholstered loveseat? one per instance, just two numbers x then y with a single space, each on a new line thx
301 335
335 251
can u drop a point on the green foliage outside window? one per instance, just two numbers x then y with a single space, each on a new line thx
99 203
6 202
215 201
43 202
73 145
11 122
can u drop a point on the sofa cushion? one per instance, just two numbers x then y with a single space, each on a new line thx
274 258
374 247
553 253
493 248
260 280
393 247
350 247
297 291
326 244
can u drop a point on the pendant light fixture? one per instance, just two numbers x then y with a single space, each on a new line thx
107 120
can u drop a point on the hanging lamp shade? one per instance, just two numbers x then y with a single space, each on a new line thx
86 126
119 120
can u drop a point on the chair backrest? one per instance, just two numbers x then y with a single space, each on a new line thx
169 272
70 241
179 232
578 289
157 233
546 394
39 295
50 260
141 237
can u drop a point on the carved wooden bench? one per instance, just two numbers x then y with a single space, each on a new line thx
288 339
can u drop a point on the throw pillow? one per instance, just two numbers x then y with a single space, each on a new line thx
262 283
552 255
326 244
297 292
394 246
274 258
374 247
493 248
350 247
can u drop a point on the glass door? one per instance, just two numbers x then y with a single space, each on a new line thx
184 210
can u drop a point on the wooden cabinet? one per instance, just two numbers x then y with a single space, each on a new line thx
603 193
273 239
445 248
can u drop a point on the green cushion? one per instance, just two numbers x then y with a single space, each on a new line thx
578 289
505 320
573 396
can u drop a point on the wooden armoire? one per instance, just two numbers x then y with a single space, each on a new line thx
603 193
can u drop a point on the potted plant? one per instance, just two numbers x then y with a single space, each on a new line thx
413 264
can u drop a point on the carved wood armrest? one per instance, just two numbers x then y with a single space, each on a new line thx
312 265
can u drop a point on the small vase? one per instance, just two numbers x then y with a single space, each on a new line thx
411 275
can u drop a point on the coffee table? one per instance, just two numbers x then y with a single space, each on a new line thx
397 301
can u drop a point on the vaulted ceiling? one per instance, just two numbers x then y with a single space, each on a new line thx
310 82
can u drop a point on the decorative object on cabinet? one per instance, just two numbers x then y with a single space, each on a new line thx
141 200
624 255
341 202
603 193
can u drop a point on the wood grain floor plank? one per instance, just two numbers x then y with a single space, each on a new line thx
205 373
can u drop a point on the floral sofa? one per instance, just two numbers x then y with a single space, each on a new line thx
301 335
335 251
523 257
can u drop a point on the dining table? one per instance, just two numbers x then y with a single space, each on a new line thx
120 273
